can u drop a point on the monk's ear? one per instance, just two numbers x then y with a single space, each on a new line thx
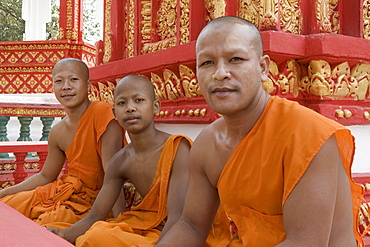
157 106
265 67
88 85
114 112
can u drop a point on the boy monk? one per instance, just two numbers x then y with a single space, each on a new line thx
154 161
279 170
87 137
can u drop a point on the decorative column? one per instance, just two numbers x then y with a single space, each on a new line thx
71 20
3 133
19 174
24 134
46 122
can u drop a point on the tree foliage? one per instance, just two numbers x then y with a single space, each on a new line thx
11 23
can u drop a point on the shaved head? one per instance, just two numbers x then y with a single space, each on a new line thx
250 28
146 83
83 67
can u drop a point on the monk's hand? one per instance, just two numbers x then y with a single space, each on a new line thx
56 231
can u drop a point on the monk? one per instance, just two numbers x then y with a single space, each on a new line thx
87 137
155 162
279 170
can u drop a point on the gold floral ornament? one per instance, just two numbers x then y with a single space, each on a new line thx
159 88
361 72
285 82
189 82
366 19
166 19
173 86
326 16
337 83
215 8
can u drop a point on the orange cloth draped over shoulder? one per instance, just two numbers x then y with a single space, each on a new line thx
70 197
138 226
268 163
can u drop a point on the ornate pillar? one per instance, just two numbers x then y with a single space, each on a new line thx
24 134
3 133
19 174
71 20
46 122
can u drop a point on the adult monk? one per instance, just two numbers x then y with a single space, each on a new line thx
154 161
87 137
280 170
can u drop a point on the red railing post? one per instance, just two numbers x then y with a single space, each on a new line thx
19 174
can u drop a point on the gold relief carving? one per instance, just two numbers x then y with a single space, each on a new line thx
94 93
146 23
189 82
184 21
366 18
160 45
11 89
290 16
339 82
13 59
361 72
249 10
166 19
339 113
107 28
326 16
347 113
159 87
286 82
26 59
41 59
61 33
215 8
131 29
269 14
106 92
172 85
367 116
31 112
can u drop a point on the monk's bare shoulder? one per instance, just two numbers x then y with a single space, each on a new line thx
205 155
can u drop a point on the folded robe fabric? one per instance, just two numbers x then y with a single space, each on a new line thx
138 226
268 163
69 198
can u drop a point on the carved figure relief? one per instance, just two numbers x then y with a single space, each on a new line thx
290 16
215 8
366 18
326 16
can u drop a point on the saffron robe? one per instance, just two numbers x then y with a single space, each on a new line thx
70 197
267 164
138 226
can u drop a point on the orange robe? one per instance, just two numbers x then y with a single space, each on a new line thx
138 226
268 163
70 197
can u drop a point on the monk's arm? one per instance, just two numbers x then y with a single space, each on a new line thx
51 169
309 209
178 185
101 207
111 143
200 207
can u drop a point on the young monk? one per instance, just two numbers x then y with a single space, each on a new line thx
154 161
280 171
87 137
